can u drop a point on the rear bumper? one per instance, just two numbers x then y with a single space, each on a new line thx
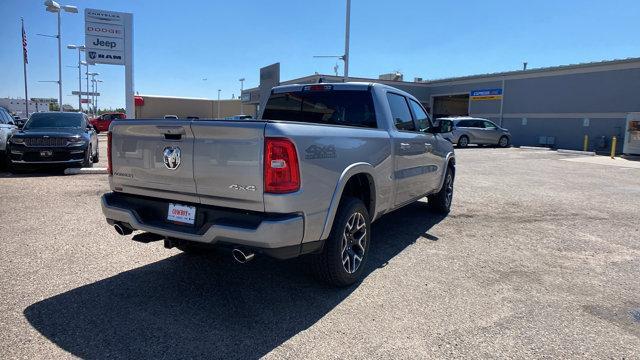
278 235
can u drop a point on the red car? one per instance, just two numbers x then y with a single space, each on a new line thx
102 122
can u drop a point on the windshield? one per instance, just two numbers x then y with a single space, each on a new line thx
54 120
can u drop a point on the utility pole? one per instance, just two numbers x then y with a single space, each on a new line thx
219 103
241 88
346 42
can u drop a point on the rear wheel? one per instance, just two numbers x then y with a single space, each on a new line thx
440 202
503 142
463 141
346 251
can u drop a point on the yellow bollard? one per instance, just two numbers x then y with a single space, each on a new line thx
614 142
585 143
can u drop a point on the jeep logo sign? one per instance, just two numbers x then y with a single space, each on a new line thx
104 43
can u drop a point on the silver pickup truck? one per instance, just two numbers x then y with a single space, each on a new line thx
309 177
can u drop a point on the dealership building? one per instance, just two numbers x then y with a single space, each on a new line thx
553 106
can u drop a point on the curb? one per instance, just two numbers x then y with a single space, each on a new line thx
534 148
85 171
576 152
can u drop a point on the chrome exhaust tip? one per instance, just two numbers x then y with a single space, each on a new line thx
241 256
122 229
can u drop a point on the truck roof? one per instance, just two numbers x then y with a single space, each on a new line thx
337 86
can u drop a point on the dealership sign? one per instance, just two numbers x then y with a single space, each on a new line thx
485 94
108 38
106 33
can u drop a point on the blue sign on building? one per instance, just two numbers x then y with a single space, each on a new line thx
486 94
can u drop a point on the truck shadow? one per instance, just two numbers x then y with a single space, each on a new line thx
190 306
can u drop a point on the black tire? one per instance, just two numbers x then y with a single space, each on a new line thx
440 202
328 265
503 142
87 162
96 158
463 141
4 160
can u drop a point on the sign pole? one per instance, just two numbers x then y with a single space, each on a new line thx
128 66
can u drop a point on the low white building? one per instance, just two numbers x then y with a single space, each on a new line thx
17 106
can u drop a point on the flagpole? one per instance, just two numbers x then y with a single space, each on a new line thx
24 67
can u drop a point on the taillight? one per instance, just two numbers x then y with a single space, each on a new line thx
109 167
281 170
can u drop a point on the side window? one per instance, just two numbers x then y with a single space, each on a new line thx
400 112
476 124
462 123
422 119
4 117
489 125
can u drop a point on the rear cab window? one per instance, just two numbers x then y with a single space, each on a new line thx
325 106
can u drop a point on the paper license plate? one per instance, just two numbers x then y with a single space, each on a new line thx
182 213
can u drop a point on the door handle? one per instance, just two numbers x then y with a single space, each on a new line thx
428 146
405 146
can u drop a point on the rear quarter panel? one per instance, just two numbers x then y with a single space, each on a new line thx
325 154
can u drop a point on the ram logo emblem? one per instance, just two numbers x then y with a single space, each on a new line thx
171 157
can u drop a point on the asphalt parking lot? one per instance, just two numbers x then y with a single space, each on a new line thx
538 258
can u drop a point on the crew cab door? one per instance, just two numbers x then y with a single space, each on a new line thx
413 168
154 158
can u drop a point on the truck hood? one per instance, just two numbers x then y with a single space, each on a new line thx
51 132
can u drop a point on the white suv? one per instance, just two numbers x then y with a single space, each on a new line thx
7 127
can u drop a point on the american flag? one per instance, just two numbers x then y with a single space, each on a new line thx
24 44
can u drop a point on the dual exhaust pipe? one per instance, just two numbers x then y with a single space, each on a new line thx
122 229
239 255
242 256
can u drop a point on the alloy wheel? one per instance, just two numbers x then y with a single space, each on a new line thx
354 239
448 189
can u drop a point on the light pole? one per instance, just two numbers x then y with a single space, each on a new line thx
241 88
86 73
219 103
96 95
80 49
54 7
93 86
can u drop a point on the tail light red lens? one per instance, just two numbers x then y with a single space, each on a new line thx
109 167
281 168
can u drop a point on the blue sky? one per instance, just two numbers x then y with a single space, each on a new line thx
178 43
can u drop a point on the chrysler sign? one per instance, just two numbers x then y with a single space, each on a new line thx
105 36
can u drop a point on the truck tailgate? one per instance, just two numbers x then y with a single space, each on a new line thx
228 163
138 159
